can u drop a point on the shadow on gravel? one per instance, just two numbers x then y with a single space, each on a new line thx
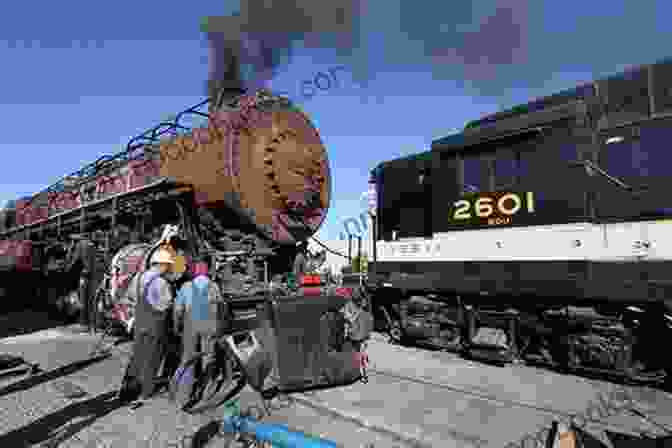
206 434
16 323
49 375
14 372
53 429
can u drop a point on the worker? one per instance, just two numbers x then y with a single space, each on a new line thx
82 253
301 260
153 297
196 315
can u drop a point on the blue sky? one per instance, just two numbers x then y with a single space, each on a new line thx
80 80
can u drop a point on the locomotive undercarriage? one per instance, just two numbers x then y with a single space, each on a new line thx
591 339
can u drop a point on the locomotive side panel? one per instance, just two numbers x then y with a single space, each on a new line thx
406 195
482 234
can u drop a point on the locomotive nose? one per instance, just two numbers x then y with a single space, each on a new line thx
267 164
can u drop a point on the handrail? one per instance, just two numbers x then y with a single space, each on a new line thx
106 162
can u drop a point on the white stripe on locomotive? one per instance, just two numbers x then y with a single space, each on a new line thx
646 240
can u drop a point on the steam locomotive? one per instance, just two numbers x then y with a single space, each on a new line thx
243 188
254 175
541 233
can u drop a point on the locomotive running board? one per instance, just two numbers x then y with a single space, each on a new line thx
163 185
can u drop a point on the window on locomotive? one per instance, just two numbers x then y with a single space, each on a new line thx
630 156
474 173
616 154
507 169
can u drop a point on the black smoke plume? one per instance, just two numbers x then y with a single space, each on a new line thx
262 34
489 46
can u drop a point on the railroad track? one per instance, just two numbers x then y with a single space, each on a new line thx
407 441
474 393
652 419
323 408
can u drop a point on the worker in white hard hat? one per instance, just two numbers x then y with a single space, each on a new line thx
154 298
301 259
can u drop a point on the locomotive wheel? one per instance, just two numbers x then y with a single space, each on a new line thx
396 334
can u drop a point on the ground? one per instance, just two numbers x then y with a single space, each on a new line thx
414 398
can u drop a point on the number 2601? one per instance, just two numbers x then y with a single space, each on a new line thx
507 205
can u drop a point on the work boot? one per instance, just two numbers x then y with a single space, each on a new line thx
9 361
129 391
138 403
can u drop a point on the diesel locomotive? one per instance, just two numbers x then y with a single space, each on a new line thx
540 234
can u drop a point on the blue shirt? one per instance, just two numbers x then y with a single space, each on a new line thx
194 296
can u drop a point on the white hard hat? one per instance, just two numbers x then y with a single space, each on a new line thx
163 256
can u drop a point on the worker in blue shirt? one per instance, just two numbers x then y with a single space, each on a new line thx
196 312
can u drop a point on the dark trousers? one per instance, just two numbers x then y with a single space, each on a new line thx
88 284
197 341
173 350
148 352
85 299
